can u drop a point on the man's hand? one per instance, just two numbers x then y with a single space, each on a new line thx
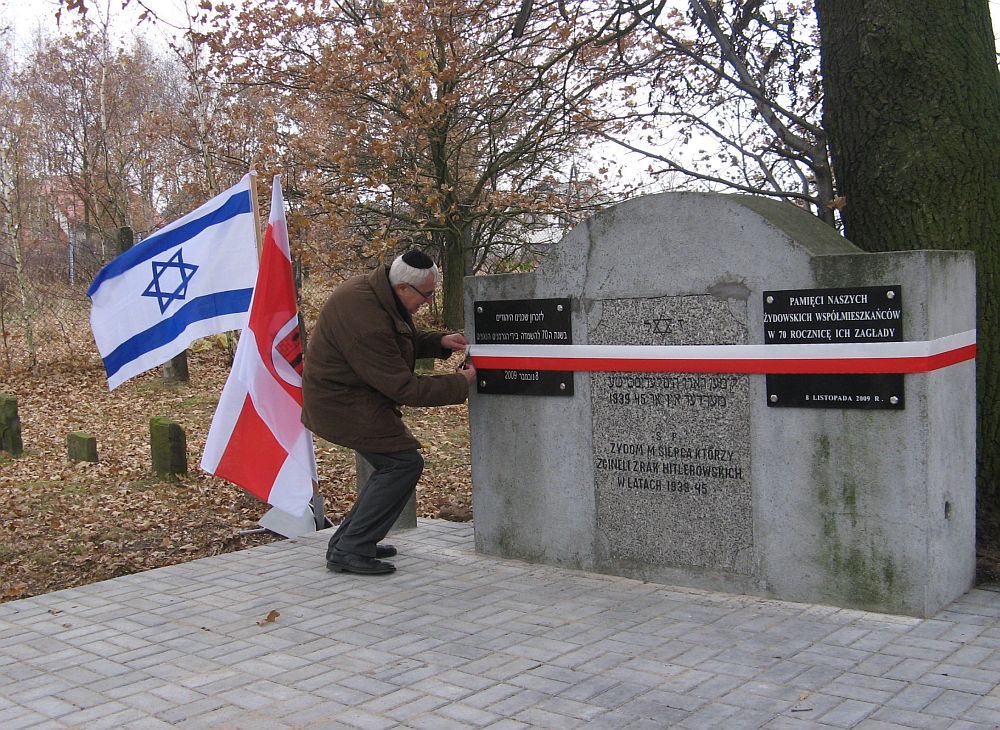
455 341
469 371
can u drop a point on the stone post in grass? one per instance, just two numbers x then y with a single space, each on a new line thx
168 445
81 446
10 426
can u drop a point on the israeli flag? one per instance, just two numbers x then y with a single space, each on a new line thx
192 278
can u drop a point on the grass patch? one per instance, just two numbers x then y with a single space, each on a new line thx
43 556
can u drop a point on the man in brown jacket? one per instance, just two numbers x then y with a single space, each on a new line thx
358 372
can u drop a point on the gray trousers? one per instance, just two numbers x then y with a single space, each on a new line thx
379 502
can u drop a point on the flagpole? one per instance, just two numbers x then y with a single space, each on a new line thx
256 212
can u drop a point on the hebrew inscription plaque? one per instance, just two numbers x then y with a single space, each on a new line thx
672 450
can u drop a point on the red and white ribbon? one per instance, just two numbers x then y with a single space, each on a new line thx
846 357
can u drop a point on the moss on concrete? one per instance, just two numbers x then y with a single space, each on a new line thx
859 572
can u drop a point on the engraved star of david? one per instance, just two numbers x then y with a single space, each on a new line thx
183 271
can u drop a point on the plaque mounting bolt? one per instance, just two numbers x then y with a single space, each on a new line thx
559 307
770 300
773 398
562 386
894 400
479 309
482 383
891 294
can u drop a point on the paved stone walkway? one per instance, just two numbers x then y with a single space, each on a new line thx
459 640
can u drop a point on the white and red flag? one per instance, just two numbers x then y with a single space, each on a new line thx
257 439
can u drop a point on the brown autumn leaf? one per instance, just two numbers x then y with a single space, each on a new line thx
271 617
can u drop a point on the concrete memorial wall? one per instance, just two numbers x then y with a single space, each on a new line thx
846 489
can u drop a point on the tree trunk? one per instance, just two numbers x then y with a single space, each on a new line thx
912 96
454 273
27 306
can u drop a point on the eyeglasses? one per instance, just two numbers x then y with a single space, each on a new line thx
429 295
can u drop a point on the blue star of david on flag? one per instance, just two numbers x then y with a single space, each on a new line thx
183 271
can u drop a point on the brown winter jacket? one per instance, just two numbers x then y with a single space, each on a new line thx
359 369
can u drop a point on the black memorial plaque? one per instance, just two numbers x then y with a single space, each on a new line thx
524 322
525 382
853 314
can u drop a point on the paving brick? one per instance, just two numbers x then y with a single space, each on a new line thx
673 700
916 648
589 687
82 697
536 717
518 702
838 657
389 701
92 716
874 690
592 659
355 717
420 706
910 670
507 724
20 717
970 656
754 701
914 697
107 668
734 669
969 725
877 665
498 667
192 710
322 714
491 695
368 684
38 688
439 686
963 679
529 680
812 705
785 722
910 719
542 650
871 724
986 710
848 713
468 715
51 707
583 711
951 703
131 719
433 721
714 715
230 716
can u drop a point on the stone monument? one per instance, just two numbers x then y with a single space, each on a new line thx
843 489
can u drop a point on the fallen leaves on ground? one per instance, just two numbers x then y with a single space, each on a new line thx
66 524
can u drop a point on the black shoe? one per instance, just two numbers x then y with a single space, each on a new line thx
351 563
